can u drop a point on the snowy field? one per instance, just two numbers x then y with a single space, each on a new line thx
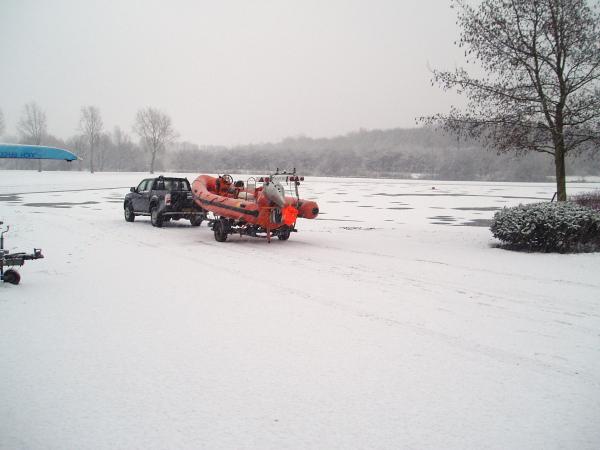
390 322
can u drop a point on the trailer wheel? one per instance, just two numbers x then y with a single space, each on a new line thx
220 229
284 234
155 217
129 214
196 221
11 276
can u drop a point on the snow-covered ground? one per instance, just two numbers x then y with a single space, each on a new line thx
391 322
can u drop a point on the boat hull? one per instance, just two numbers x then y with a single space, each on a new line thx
241 205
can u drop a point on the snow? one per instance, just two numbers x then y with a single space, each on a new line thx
375 326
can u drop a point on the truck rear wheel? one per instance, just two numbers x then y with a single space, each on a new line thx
155 217
196 221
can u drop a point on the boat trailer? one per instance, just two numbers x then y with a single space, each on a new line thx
13 260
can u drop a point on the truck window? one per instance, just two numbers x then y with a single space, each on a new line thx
142 187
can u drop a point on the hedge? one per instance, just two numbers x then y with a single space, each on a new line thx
548 227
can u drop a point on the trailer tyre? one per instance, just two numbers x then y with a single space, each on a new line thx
155 217
284 234
12 276
220 229
196 221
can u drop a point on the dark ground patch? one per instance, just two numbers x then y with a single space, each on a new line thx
475 223
341 220
59 204
10 198
474 208
443 218
69 190
440 194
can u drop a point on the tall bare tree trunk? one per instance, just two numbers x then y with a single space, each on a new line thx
152 161
91 157
561 183
91 125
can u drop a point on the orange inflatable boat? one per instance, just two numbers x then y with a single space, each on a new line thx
254 210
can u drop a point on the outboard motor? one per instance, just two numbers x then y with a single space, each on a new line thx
275 192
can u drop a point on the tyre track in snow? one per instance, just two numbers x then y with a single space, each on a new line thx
497 354
355 272
545 324
469 268
535 301
453 341
364 273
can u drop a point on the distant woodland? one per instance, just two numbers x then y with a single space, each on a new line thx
395 153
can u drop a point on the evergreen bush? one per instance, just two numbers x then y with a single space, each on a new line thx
591 199
548 227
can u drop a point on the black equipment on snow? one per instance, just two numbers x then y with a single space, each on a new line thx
14 259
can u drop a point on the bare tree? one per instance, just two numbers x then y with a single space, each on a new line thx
121 139
77 144
32 126
105 144
90 125
540 89
121 148
155 131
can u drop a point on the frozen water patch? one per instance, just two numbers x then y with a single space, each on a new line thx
10 198
476 223
59 204
474 208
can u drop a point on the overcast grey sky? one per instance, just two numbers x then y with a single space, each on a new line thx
228 72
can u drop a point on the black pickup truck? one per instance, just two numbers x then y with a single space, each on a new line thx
163 199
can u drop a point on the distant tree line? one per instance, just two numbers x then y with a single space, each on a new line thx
396 153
